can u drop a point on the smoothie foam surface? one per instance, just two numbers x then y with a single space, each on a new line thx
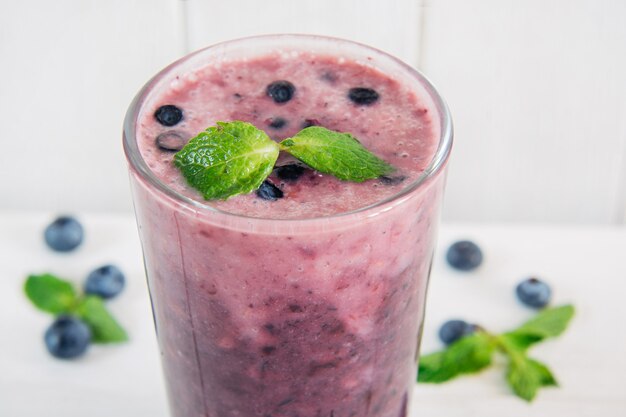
397 126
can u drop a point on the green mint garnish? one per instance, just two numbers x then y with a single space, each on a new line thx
473 353
468 355
50 294
525 376
235 157
59 297
104 328
549 323
227 159
338 154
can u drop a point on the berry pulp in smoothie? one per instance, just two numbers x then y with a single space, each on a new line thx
309 303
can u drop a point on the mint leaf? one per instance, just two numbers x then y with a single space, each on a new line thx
50 293
526 376
103 326
338 154
227 159
431 368
550 322
546 377
467 355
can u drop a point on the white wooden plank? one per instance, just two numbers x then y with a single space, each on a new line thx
535 88
69 71
537 93
393 25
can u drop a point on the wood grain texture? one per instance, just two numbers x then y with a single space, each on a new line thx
393 25
69 71
537 91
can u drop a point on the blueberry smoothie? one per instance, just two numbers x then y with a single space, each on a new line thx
305 298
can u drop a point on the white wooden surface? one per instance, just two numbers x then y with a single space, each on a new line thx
536 89
583 264
538 95
391 25
68 71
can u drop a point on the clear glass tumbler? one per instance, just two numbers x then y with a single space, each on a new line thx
317 317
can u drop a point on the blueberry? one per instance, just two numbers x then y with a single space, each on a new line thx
280 91
64 234
329 77
171 140
464 255
277 122
168 115
533 293
363 96
453 330
106 281
290 172
68 337
309 123
268 191
392 180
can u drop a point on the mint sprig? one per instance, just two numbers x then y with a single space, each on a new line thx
57 296
235 157
474 353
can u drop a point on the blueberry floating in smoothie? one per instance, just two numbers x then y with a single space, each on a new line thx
290 172
309 123
464 255
268 191
169 115
171 140
68 337
64 234
106 281
363 96
329 77
387 180
276 122
534 293
281 91
453 330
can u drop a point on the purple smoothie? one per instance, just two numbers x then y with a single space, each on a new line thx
310 305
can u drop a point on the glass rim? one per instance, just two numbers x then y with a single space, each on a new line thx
437 163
